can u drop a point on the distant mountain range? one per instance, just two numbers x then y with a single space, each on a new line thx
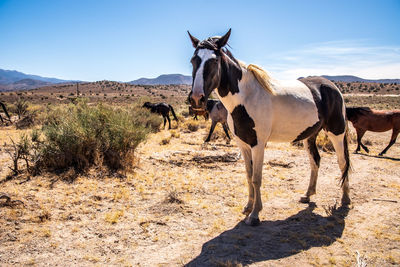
349 78
164 79
11 80
12 76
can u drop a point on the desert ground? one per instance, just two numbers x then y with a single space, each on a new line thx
181 205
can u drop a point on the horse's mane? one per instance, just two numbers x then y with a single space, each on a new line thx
262 77
354 112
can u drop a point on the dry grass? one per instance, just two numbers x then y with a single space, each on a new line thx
186 198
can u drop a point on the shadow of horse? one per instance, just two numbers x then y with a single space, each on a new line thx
273 239
377 156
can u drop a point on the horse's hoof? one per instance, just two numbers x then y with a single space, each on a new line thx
304 199
381 154
246 211
252 221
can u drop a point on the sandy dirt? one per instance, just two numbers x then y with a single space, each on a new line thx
182 206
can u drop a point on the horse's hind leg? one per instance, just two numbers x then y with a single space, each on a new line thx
314 162
395 133
342 152
165 121
360 134
169 122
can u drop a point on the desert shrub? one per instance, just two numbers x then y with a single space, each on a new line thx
322 142
193 126
79 136
166 140
20 107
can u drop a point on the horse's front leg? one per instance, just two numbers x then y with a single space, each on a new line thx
213 123
257 153
246 152
225 127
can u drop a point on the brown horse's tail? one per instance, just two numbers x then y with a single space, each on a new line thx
173 112
348 168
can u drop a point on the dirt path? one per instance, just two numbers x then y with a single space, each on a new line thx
182 206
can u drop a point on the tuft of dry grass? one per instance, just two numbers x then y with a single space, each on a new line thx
113 216
193 125
324 143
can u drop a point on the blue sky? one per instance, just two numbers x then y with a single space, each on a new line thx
126 40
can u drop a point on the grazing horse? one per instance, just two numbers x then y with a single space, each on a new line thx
218 113
366 119
5 111
262 109
163 109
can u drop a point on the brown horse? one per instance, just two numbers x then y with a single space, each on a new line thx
366 119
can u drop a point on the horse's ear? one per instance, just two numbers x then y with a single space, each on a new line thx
224 39
194 40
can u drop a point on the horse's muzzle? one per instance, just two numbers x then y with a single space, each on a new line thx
197 101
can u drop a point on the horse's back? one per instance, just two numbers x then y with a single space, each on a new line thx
292 110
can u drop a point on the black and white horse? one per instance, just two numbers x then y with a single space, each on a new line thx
218 114
263 109
162 109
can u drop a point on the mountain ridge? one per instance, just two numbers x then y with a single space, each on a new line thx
12 76
164 79
351 78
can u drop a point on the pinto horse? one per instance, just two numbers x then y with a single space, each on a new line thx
162 109
366 119
262 109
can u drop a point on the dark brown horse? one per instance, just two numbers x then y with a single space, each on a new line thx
162 109
5 111
366 119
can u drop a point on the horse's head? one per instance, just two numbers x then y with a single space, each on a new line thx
206 73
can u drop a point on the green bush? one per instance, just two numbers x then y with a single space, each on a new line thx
79 135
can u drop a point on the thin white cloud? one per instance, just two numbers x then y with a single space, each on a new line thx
338 58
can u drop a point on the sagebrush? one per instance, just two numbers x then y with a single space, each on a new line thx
79 135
